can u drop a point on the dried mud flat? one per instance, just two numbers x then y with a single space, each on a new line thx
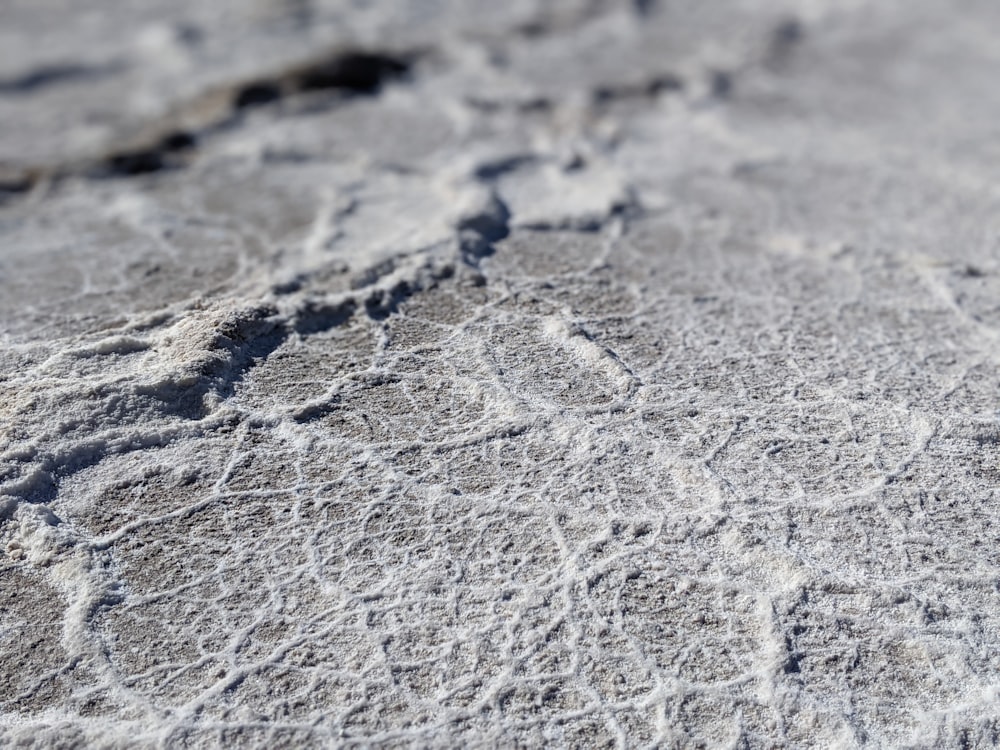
479 374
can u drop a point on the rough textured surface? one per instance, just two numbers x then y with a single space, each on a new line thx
469 373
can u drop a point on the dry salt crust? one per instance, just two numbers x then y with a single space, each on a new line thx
620 375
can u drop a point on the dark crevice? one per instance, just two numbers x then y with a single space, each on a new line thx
379 304
133 163
474 248
586 225
479 232
792 665
318 317
11 188
241 341
534 105
53 75
171 151
371 275
244 341
491 224
971 272
256 93
987 438
163 146
290 286
384 302
358 72
646 89
354 72
178 140
42 485
494 169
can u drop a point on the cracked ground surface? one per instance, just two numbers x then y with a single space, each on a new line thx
499 374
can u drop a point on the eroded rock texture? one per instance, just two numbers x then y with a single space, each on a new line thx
429 373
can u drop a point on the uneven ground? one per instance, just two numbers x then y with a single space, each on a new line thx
467 374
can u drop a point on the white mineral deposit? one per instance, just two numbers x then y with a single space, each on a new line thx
472 374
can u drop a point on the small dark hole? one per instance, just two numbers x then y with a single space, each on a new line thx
360 72
138 162
255 94
317 318
177 141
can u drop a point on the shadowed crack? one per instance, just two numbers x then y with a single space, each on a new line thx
53 75
166 144
13 186
317 317
379 304
172 151
171 142
357 72
354 72
643 89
